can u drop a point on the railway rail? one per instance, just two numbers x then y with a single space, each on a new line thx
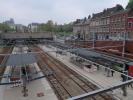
65 82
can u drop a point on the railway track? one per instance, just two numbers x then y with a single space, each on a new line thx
65 82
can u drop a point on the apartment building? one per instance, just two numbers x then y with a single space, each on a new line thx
113 23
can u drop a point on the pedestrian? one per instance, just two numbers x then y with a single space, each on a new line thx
112 72
108 72
98 67
124 77
105 69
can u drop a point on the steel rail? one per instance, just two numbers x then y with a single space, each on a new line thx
55 87
92 88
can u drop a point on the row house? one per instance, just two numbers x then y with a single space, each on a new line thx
81 28
130 27
113 24
100 23
121 25
99 26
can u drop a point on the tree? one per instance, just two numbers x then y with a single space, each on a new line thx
5 28
49 26
68 27
130 4
61 30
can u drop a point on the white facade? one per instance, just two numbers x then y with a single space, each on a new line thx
33 27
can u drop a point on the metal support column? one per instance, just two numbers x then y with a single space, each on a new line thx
124 79
25 90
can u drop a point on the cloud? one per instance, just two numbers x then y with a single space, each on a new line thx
61 11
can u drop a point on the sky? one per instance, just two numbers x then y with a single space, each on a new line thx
60 11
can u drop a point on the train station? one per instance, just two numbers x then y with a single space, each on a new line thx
90 58
51 70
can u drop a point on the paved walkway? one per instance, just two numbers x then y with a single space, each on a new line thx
97 77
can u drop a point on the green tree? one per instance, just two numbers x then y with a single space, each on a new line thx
41 27
62 30
49 26
68 27
130 4
5 28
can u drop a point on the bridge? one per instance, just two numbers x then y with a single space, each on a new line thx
25 38
44 35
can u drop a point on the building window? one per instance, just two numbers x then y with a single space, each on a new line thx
115 25
129 24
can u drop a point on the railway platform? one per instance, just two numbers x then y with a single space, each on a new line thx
37 90
99 77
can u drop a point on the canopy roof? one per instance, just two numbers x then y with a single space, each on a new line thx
21 59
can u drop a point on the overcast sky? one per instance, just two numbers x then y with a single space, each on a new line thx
60 11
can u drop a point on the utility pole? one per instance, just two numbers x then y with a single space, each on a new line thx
94 36
124 43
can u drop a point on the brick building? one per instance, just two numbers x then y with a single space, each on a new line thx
130 24
81 28
120 23
112 23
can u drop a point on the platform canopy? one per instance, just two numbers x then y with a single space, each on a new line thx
21 59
